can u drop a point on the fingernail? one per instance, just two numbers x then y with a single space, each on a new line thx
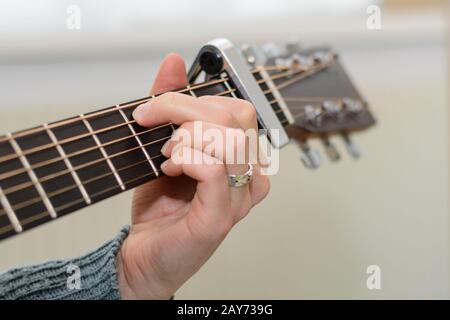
165 147
164 164
140 111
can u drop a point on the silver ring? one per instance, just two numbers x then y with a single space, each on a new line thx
240 180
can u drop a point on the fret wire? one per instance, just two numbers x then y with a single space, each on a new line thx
76 153
73 203
68 140
105 155
190 91
227 85
68 164
33 177
138 141
85 165
101 112
10 212
72 187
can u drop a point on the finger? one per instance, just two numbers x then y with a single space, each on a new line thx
171 75
243 111
229 145
179 108
211 204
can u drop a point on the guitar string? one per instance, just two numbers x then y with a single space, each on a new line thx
101 112
76 138
299 78
107 110
52 176
35 200
68 140
44 214
87 117
55 175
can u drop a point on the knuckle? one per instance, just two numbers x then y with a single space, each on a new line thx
239 140
168 98
247 110
216 171
228 119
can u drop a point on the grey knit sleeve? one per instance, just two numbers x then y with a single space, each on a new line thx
92 276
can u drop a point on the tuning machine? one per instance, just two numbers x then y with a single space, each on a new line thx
253 55
271 50
351 146
330 149
310 158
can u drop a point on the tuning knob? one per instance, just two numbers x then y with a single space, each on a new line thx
313 114
351 146
311 158
333 108
331 150
271 50
354 107
253 55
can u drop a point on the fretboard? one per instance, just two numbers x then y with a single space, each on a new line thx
49 171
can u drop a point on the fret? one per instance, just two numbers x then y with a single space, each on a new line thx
50 169
10 212
274 97
57 168
191 92
122 146
102 150
228 86
126 119
19 188
68 164
152 139
215 89
33 177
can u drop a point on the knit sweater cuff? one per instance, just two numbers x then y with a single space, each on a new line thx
92 276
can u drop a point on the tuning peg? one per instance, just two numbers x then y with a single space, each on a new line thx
353 106
253 55
352 147
333 108
313 114
271 50
311 158
331 150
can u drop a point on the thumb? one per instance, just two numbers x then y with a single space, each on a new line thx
171 74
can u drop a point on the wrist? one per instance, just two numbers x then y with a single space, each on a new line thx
127 278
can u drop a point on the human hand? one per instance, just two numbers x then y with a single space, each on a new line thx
179 220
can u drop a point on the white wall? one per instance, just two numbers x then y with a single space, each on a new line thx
318 231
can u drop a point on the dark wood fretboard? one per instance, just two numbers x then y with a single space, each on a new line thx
57 168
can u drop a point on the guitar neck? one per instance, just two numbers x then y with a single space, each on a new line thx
49 171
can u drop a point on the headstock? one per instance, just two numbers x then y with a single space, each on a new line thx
313 96
300 93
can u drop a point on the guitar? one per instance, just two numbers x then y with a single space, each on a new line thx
57 168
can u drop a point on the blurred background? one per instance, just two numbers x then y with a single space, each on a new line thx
318 231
